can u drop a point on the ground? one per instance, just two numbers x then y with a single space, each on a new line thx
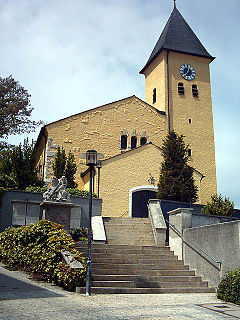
23 299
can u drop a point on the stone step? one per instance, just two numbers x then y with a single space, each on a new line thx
138 267
174 278
130 233
133 242
148 284
130 260
143 273
125 249
131 256
107 290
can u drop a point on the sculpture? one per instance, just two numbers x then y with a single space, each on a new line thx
57 192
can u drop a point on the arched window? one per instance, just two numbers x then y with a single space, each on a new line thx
154 95
133 142
180 88
194 90
143 141
123 142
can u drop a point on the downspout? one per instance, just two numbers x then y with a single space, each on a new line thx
168 94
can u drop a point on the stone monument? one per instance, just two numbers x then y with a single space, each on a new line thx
57 204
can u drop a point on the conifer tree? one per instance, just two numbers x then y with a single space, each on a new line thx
176 178
70 170
59 163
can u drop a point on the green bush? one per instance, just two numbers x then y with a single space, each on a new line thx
229 287
36 249
73 192
80 234
219 206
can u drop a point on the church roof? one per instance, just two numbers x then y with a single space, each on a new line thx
178 36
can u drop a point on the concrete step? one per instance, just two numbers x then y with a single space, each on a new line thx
131 256
165 260
122 249
138 267
107 290
174 278
143 273
148 284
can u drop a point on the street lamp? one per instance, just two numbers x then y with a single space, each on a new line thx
99 166
91 157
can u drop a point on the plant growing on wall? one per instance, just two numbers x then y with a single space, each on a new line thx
176 178
65 166
219 206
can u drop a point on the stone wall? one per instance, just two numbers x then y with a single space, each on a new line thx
29 211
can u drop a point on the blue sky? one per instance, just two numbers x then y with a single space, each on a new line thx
74 55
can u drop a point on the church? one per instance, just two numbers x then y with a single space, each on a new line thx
129 132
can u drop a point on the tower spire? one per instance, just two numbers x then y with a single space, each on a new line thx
174 3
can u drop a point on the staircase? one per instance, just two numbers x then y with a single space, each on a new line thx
131 263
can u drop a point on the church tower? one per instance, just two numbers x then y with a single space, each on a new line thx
177 81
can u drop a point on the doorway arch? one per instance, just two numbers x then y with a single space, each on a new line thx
138 200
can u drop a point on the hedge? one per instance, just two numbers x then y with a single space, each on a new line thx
229 287
36 249
73 192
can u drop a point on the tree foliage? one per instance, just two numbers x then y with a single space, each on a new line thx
15 108
219 206
17 167
70 171
176 178
65 166
59 163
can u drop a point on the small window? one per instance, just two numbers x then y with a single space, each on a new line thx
154 95
123 142
194 90
189 152
189 121
133 142
143 141
180 88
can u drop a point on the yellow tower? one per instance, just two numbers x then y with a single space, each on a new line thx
177 81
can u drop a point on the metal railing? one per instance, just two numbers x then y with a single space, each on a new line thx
194 244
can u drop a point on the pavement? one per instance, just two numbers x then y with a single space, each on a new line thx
24 299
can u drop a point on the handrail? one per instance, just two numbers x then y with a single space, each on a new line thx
183 236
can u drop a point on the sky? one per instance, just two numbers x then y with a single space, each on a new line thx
73 55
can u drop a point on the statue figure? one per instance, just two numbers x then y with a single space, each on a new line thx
57 192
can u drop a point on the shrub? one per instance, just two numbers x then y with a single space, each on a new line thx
73 192
80 234
229 287
219 206
37 250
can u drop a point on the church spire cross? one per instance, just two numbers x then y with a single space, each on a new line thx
174 3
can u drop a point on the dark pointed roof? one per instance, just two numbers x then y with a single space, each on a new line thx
178 36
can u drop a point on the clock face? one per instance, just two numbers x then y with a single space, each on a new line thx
187 72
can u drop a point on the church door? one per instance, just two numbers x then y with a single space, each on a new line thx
139 203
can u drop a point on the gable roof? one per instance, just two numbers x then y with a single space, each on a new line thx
178 36
89 110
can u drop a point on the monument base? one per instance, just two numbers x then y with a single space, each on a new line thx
58 212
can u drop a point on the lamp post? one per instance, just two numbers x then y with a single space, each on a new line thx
91 157
99 166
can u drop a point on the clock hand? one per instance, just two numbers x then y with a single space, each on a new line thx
186 72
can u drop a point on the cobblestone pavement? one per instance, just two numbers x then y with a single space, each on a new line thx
46 302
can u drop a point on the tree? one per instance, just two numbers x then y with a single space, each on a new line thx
59 163
219 206
17 169
70 170
176 178
15 108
